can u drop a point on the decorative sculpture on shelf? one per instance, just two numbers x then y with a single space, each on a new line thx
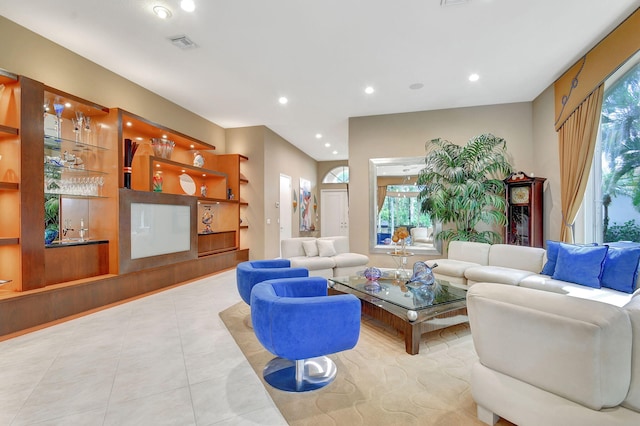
207 219
157 182
198 159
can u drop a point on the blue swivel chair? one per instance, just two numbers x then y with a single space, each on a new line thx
294 319
252 272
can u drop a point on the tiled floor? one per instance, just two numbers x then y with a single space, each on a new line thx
165 359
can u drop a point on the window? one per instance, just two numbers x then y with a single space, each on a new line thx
338 174
401 208
612 201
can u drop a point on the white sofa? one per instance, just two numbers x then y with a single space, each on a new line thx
325 256
468 263
551 359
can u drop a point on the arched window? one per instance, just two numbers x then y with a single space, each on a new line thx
338 174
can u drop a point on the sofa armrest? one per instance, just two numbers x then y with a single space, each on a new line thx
575 348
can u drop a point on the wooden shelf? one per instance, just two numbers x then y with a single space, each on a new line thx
9 241
137 127
183 168
207 200
9 186
8 131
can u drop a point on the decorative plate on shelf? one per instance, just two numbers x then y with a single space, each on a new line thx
187 184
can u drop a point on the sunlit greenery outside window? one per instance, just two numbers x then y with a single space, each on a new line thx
616 166
401 208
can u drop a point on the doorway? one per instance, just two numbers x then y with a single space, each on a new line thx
334 217
284 205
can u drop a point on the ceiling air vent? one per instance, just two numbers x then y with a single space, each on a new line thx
183 42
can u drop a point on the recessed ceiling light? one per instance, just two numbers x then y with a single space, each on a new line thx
335 152
283 100
369 90
318 135
327 144
68 104
416 86
188 5
474 77
129 124
162 12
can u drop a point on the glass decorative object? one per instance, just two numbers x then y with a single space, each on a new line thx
372 274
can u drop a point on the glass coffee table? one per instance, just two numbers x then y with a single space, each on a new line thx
410 309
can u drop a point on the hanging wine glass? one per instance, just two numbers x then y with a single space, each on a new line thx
87 128
58 108
77 125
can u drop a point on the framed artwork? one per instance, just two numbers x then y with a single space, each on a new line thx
305 205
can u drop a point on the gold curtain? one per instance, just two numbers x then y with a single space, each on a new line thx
573 87
577 143
382 194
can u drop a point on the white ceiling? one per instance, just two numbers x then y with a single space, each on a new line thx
322 54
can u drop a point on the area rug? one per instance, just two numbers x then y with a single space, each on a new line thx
378 383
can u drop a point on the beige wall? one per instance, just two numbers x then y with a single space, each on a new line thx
269 156
404 135
26 53
249 141
547 161
283 158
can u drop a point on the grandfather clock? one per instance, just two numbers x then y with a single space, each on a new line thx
524 210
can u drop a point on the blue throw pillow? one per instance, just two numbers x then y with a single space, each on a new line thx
552 257
580 264
620 270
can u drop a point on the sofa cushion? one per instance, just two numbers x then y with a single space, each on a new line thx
343 260
620 270
517 257
313 263
604 295
469 252
552 257
292 247
310 248
574 348
326 248
340 243
495 274
451 267
580 264
632 400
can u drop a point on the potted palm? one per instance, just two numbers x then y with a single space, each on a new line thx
462 186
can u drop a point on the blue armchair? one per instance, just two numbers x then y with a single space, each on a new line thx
252 272
294 319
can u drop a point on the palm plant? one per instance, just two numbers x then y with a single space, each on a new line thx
463 185
620 139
